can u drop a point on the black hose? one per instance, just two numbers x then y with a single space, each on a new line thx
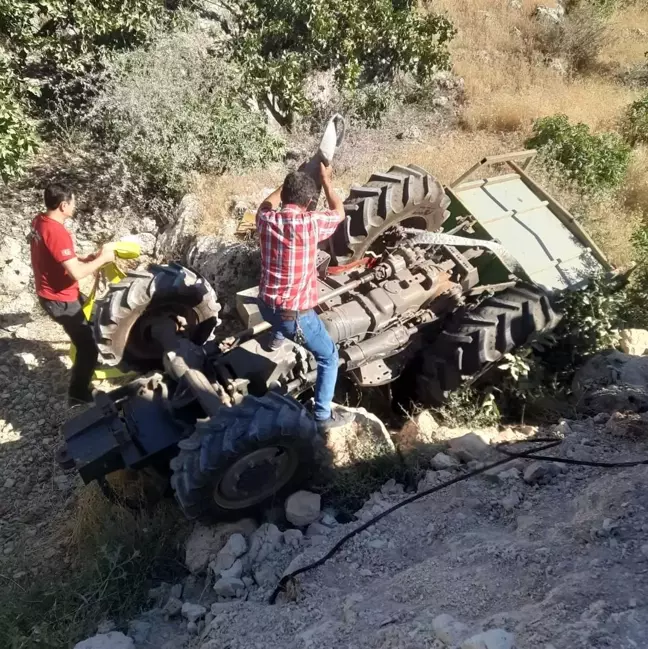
549 442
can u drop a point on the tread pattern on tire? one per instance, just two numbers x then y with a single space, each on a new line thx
118 311
219 441
473 341
403 194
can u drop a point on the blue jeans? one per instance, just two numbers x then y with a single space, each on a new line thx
318 342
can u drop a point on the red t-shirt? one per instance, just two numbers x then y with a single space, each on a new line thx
51 245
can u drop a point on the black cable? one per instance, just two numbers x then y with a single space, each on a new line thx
311 566
549 442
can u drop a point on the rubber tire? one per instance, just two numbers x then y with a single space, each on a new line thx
404 195
218 442
124 304
473 340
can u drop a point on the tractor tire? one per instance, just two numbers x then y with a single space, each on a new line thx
407 196
472 341
122 316
246 457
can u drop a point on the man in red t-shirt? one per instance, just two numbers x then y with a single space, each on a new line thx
57 271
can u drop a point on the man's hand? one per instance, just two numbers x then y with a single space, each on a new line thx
106 253
326 174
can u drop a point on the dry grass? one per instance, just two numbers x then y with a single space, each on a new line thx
508 85
629 28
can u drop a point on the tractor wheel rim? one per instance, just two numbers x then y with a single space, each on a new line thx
255 477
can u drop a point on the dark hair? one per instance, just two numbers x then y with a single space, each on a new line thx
298 189
55 194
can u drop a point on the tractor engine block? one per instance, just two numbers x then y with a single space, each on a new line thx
402 286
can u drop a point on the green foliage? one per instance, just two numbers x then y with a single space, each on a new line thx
281 42
635 312
604 7
635 122
590 317
174 109
17 132
468 406
596 163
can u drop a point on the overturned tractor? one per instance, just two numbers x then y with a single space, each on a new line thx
420 284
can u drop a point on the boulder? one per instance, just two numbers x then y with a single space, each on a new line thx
263 543
612 382
442 461
364 438
634 341
205 542
421 429
179 235
469 447
229 267
112 640
303 508
229 587
550 15
540 472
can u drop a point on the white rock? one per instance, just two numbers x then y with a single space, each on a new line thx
493 639
317 529
644 550
139 630
442 461
172 607
234 572
236 545
112 640
540 472
9 483
173 242
469 447
205 542
634 341
193 612
266 575
263 543
511 501
563 427
448 630
293 538
303 508
228 587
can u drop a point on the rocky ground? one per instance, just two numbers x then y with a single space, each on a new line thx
533 555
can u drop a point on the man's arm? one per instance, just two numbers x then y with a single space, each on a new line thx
328 221
79 269
334 201
272 202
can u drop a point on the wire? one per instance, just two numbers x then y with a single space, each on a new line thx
548 442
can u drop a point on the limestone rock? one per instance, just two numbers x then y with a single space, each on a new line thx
540 472
550 15
172 607
469 447
15 272
234 572
366 435
493 639
448 630
205 542
293 538
112 640
193 612
442 461
175 240
612 381
263 543
303 508
229 587
634 341
422 429
228 266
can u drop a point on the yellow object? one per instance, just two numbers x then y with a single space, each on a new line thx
112 274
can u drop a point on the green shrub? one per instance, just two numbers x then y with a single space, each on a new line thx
635 313
596 163
281 42
635 122
175 109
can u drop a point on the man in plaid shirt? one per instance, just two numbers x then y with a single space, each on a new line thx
289 233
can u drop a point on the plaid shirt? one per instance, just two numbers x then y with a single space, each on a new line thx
289 239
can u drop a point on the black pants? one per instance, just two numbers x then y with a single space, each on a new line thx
70 316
